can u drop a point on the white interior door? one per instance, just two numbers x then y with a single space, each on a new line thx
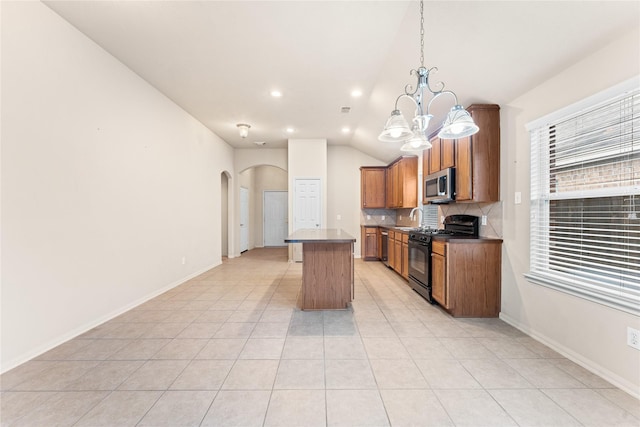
275 218
307 207
244 219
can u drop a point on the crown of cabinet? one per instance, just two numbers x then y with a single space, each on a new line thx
476 158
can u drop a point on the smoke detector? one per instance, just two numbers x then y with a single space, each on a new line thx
259 143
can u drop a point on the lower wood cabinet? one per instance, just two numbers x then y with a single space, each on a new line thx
404 272
369 241
399 255
466 277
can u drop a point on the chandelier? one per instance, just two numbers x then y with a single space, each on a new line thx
457 124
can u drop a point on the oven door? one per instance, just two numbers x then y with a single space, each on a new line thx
419 267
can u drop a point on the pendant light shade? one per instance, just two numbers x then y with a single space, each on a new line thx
418 142
396 129
458 124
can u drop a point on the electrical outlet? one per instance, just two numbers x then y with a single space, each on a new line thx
518 198
400 218
383 217
338 217
484 220
184 260
368 216
633 338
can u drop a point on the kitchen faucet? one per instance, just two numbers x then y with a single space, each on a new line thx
419 216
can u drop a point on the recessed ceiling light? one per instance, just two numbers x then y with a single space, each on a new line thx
356 93
346 130
290 130
276 93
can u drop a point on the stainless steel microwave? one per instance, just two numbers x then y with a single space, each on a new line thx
440 187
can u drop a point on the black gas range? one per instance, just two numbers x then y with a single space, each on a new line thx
455 226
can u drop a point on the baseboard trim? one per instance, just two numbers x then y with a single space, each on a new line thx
88 326
588 364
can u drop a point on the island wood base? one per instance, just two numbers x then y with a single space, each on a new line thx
327 275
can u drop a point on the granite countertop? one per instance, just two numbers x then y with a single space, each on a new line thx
319 235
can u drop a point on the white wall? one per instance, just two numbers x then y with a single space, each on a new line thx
106 185
589 333
307 158
343 189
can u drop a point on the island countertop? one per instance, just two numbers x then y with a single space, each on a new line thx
319 235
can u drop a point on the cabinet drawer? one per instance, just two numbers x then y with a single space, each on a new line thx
405 238
392 235
437 247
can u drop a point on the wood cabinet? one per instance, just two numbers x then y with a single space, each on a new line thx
404 271
391 249
398 253
440 156
369 242
438 277
478 157
402 183
465 276
391 188
372 187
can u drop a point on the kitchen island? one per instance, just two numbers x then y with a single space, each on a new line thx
327 268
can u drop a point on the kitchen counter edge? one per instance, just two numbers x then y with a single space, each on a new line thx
319 235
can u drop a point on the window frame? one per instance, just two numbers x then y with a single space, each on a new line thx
541 251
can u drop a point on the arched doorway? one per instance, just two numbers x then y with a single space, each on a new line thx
224 214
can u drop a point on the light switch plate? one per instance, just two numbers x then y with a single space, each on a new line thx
518 198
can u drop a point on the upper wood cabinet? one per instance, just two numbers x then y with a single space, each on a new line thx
372 187
440 156
402 183
478 157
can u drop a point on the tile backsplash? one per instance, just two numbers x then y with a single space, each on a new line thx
493 211
378 217
400 217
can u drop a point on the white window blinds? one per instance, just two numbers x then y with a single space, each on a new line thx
585 197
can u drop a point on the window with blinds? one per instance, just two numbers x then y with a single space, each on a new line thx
585 201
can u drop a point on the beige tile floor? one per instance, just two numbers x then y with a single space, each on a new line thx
229 348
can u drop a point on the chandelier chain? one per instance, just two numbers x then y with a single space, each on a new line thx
421 34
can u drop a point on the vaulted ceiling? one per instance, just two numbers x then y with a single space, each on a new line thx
219 60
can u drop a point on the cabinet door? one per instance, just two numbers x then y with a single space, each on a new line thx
438 279
464 185
434 155
409 182
405 260
371 243
391 190
372 189
397 256
447 153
